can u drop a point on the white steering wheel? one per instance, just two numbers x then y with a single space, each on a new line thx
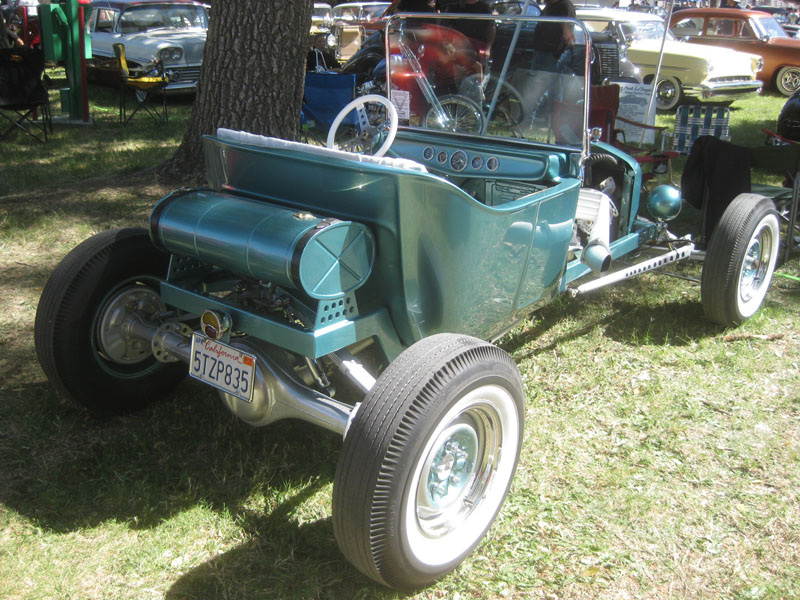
367 131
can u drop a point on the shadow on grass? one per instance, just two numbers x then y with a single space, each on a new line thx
623 316
66 470
282 559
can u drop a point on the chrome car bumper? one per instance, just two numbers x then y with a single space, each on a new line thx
722 90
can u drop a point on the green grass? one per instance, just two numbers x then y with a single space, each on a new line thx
661 455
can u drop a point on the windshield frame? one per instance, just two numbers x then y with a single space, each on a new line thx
659 24
767 27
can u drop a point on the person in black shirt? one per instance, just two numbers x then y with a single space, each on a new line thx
319 59
480 33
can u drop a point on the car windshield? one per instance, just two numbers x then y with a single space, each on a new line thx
635 31
321 12
485 76
359 12
514 7
373 12
162 16
768 27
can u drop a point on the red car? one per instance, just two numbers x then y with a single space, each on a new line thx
751 31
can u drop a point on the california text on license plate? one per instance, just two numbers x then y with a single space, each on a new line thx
224 367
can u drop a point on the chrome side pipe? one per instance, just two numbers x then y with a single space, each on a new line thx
682 253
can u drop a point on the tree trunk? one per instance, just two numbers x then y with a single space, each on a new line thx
252 76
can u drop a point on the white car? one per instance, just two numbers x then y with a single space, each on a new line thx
172 32
687 70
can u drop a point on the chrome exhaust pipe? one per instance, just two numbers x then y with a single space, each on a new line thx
276 395
595 206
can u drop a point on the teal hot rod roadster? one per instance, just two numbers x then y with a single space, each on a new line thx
303 270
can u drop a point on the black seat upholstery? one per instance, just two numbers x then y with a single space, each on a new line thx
24 101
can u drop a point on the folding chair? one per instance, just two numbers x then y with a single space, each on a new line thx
142 88
603 109
691 122
23 95
324 96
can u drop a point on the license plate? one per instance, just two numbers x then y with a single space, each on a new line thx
222 366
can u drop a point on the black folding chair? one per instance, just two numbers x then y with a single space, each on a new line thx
24 102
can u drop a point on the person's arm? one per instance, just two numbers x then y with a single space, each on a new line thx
568 33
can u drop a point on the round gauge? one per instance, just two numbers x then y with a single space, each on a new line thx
442 156
492 163
427 153
477 162
458 161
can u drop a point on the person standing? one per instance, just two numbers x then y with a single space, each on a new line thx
480 33
550 41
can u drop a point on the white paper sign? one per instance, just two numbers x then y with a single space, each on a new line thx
633 100
402 102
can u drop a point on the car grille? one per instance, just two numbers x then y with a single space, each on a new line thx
609 60
183 74
730 79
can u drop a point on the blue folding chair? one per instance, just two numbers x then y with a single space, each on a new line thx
324 96
691 122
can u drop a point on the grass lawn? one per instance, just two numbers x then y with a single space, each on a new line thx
661 456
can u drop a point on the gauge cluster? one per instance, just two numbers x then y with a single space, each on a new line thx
460 161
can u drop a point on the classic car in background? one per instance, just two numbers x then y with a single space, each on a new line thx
365 14
321 17
172 32
353 22
687 70
747 31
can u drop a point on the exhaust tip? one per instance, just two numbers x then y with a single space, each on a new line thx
597 257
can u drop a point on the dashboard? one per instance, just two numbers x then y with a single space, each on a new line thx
492 174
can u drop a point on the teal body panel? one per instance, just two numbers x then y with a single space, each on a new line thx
324 258
444 262
471 268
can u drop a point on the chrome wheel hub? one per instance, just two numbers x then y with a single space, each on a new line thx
116 342
452 466
755 265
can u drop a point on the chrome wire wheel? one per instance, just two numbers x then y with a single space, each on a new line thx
455 113
788 80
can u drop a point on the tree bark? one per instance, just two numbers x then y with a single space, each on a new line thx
252 76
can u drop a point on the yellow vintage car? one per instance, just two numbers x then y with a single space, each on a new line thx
687 70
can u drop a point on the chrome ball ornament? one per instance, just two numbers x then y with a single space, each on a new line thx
664 203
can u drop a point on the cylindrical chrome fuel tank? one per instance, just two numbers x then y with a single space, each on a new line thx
326 258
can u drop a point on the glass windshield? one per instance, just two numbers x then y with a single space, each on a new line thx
515 7
644 30
769 27
162 16
321 12
373 12
511 77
